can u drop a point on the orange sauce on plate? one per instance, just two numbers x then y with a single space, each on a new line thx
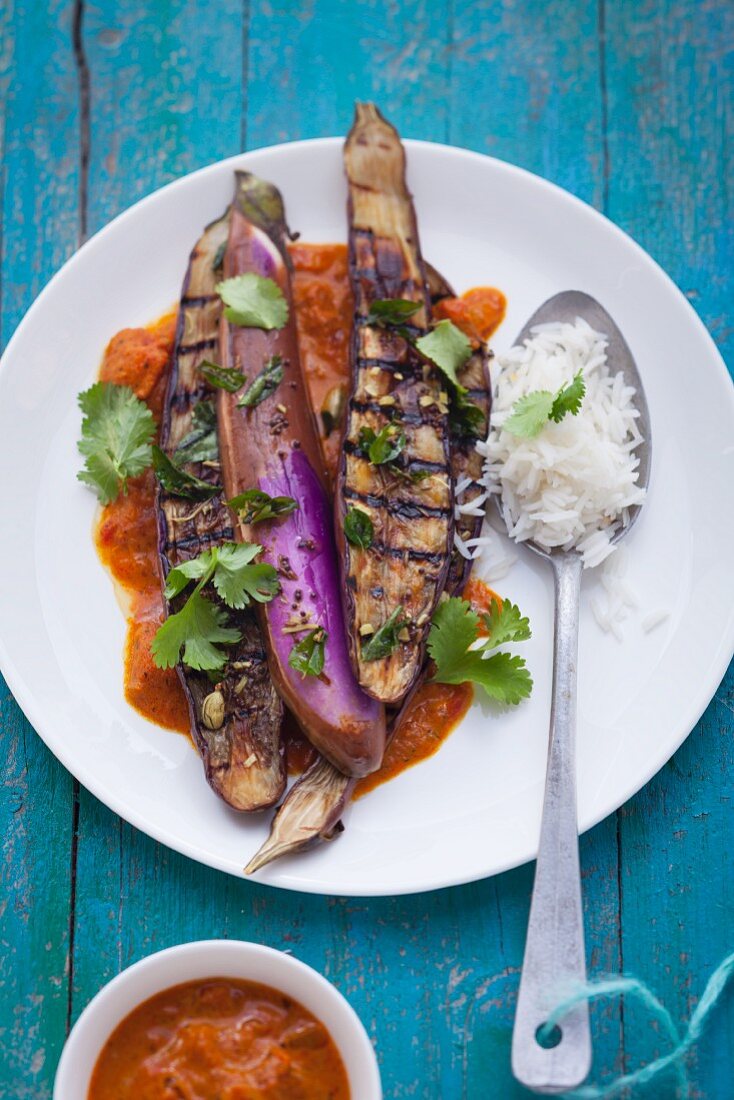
220 1039
126 533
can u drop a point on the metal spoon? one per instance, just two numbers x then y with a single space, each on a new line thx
554 949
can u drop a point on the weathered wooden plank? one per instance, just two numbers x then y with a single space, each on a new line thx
307 63
166 83
669 93
165 95
39 138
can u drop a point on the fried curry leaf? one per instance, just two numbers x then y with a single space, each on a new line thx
384 641
222 378
307 656
177 482
454 630
358 528
263 384
117 431
199 628
253 301
254 506
200 445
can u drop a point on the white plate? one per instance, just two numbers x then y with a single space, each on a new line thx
473 809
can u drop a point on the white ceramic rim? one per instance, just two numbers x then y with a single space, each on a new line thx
202 959
699 698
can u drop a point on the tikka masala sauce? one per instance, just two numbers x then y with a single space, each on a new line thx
126 534
220 1039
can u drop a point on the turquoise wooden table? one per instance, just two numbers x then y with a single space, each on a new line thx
624 102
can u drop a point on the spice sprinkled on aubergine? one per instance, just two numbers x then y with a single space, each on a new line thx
312 809
269 443
235 720
395 460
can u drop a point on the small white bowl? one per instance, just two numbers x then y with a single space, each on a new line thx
216 959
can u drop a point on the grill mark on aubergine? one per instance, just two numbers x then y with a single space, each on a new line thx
198 345
416 464
403 509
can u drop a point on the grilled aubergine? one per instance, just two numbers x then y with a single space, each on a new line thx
398 578
236 722
272 446
313 807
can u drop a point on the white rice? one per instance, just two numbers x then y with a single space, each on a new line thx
572 485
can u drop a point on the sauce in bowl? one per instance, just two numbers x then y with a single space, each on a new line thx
220 1039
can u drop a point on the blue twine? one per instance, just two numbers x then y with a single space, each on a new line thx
675 1058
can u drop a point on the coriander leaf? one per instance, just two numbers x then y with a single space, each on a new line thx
177 482
200 445
383 641
391 311
503 676
447 347
193 570
263 384
254 506
505 623
222 378
307 656
252 301
238 581
117 431
197 627
383 446
569 398
453 630
358 528
465 418
529 414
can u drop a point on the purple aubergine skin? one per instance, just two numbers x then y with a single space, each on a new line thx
273 446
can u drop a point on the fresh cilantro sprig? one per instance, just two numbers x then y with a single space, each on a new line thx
200 445
117 431
254 506
222 378
253 301
384 641
178 482
358 528
454 630
235 575
383 446
201 626
533 411
263 384
307 656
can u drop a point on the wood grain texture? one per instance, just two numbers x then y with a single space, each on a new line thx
628 105
39 230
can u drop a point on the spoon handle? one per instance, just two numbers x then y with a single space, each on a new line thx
554 949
